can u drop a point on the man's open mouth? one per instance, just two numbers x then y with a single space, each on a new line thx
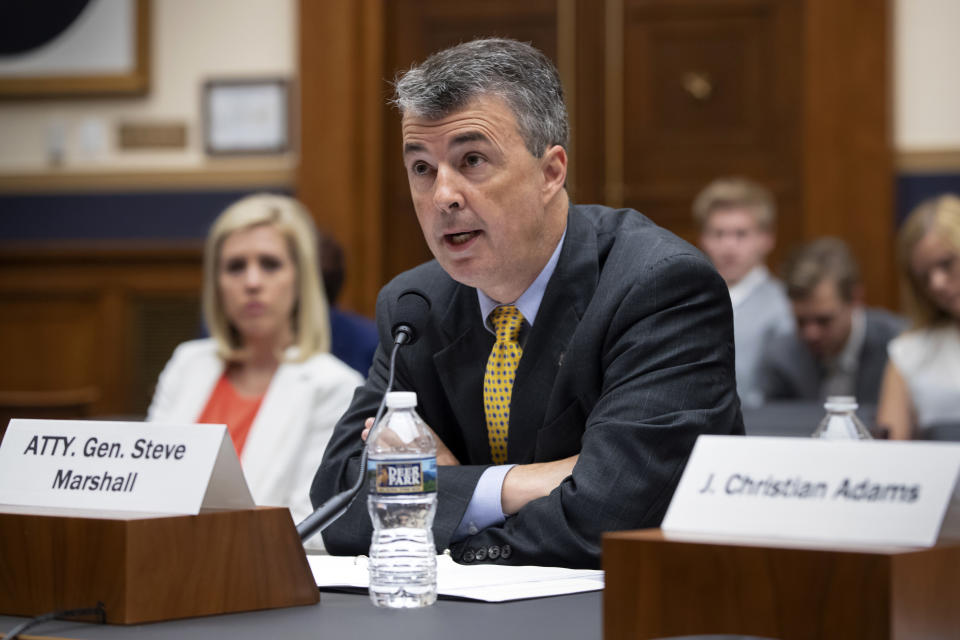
461 238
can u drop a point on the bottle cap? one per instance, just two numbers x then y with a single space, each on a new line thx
841 403
401 400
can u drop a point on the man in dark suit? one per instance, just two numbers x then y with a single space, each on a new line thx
840 347
626 331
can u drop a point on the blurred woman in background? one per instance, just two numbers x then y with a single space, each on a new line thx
921 385
265 371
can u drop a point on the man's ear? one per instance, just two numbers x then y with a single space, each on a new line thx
553 164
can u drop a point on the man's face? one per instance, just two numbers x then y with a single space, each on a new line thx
486 205
735 242
824 320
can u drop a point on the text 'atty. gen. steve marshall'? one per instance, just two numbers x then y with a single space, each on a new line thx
93 447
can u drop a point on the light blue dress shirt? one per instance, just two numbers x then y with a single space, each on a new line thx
485 508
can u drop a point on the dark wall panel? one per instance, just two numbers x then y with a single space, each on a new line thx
142 215
913 188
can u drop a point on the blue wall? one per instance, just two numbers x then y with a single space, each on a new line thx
142 215
187 215
914 188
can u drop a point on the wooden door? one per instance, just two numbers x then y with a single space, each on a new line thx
663 95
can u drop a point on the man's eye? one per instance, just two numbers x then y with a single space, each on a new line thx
473 160
420 168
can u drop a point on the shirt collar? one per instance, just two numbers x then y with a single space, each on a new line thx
529 301
742 290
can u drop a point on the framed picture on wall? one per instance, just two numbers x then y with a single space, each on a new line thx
246 116
74 48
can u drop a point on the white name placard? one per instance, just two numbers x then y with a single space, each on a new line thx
121 466
874 492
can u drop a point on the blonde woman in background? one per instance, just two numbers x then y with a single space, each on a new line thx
921 386
265 371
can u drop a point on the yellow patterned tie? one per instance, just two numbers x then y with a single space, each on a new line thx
498 381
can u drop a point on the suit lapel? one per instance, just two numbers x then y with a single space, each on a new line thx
807 374
276 431
461 366
870 362
199 384
566 297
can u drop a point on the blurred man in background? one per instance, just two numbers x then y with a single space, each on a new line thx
737 219
840 347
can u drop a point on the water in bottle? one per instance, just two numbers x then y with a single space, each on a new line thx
402 500
841 421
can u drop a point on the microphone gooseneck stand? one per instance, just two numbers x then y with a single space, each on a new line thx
413 306
333 508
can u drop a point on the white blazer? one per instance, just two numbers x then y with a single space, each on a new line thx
291 430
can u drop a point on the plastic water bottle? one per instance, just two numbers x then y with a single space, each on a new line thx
402 500
841 421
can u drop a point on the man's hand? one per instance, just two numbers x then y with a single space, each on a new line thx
444 456
526 482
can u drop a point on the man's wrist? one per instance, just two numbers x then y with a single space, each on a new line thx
525 483
485 509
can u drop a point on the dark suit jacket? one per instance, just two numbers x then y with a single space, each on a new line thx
629 360
788 370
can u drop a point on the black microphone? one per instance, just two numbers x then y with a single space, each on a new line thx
413 308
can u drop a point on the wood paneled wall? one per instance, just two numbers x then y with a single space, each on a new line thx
85 332
663 96
848 164
797 95
709 89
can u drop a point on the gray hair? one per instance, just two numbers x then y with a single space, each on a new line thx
515 71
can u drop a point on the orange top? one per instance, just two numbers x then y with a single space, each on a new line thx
226 406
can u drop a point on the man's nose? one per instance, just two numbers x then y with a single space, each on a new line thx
725 242
447 194
810 332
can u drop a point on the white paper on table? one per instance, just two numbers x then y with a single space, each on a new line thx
484 582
